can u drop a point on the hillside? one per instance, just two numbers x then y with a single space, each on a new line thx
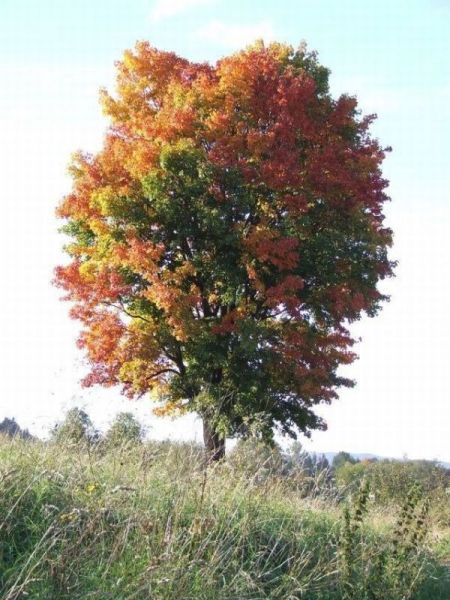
151 521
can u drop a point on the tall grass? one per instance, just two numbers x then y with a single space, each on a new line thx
152 521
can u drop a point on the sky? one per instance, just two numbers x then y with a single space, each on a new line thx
54 57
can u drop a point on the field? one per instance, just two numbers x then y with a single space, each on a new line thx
140 521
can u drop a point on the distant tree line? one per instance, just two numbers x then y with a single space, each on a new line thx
11 428
389 479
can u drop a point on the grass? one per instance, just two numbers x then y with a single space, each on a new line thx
150 521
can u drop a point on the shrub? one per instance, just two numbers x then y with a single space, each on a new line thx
391 480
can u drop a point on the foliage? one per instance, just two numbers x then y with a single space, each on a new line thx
125 429
76 428
79 522
396 570
391 480
309 474
12 428
343 457
224 237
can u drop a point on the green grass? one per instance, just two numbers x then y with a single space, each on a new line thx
150 521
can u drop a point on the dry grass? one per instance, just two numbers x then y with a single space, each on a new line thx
150 521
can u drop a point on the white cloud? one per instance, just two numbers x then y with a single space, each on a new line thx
164 9
233 35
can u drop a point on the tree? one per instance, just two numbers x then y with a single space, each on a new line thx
76 428
298 459
343 457
11 428
124 429
320 463
225 236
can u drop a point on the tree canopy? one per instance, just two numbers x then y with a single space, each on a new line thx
76 428
342 458
125 429
225 236
11 428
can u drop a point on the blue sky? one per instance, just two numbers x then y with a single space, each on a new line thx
54 56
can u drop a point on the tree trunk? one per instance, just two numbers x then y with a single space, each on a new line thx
214 443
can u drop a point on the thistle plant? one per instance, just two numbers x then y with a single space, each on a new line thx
370 569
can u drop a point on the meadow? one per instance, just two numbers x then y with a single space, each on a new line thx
128 520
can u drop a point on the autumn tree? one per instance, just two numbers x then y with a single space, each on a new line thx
225 236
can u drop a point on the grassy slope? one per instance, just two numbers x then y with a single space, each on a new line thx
149 522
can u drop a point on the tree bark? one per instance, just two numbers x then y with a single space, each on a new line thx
214 443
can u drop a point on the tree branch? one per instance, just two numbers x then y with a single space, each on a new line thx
125 311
